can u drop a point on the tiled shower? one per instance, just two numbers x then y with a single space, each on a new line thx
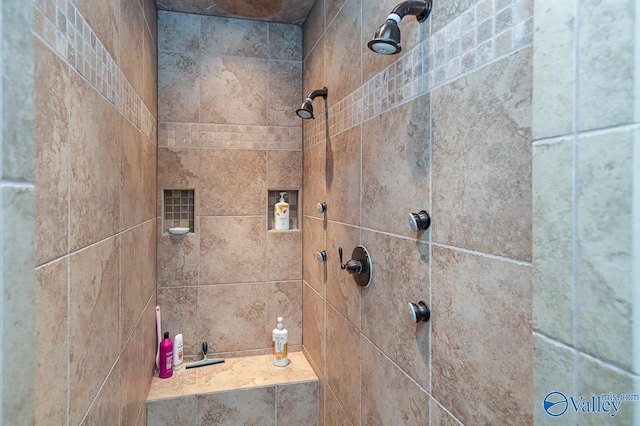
500 118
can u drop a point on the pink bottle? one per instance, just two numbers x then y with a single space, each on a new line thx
166 357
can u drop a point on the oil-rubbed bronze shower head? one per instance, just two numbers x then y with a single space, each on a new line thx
306 109
386 39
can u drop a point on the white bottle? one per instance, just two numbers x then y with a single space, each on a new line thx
178 355
281 213
280 344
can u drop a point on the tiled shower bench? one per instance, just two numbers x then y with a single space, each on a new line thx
241 391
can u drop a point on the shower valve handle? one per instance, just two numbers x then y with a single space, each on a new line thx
352 266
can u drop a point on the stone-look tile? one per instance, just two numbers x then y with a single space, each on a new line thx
178 32
149 179
374 15
94 321
103 17
142 416
233 182
342 291
297 404
241 37
245 407
232 317
95 165
51 155
135 267
471 376
131 44
313 78
151 16
395 167
343 371
150 73
132 181
381 407
285 42
179 168
246 79
313 326
443 13
597 378
179 87
150 339
284 299
179 311
178 258
553 74
334 413
284 169
553 239
343 177
313 27
400 275
133 384
322 386
314 272
341 59
605 264
553 371
314 179
107 402
226 244
606 81
441 417
482 168
331 9
282 255
284 93
50 395
169 412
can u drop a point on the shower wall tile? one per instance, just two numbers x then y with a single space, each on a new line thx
179 310
334 413
179 88
178 258
345 66
284 169
445 12
245 78
284 94
343 363
149 177
150 75
251 406
331 9
179 32
242 37
482 168
226 243
233 182
313 27
133 385
313 78
103 19
314 180
285 42
95 165
52 155
297 404
107 402
395 167
180 168
379 406
314 272
342 292
401 274
313 326
282 255
94 322
285 300
441 417
167 412
132 167
343 175
495 313
131 43
151 17
51 365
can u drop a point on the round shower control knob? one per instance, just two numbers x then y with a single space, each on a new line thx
419 312
419 221
321 256
321 207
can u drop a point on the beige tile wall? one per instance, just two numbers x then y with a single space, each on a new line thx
95 208
228 90
444 126
585 202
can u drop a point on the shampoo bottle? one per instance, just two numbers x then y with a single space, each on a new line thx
177 352
280 339
166 357
281 213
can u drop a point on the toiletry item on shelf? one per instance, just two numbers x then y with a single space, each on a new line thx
280 344
159 329
166 357
281 213
177 352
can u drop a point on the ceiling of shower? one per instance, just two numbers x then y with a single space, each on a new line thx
288 11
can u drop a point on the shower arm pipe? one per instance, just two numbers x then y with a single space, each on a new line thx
419 9
320 92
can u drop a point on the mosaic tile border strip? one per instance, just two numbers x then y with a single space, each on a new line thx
198 135
61 26
490 29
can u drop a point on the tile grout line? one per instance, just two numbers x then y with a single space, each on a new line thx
575 199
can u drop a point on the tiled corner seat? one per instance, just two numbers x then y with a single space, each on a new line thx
242 391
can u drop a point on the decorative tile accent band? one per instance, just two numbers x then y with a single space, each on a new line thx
229 136
60 25
489 30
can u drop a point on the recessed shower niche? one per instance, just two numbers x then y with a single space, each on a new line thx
179 209
290 197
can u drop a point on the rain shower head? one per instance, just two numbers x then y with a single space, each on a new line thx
386 39
306 109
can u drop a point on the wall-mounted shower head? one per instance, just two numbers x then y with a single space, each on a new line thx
386 39
306 109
